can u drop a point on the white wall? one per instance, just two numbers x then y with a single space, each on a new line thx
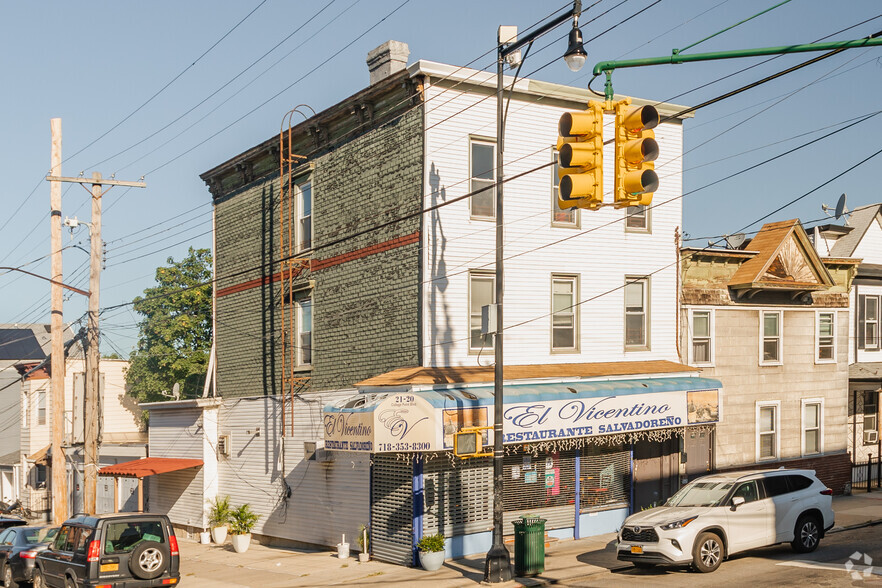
601 252
177 433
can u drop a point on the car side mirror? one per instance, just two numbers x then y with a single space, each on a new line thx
737 501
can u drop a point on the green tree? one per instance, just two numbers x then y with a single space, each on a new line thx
174 338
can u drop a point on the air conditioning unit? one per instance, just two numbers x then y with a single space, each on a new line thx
871 436
224 445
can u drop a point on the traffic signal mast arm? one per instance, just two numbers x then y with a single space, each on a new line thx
608 66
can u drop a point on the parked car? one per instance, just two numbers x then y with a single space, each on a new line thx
124 550
18 551
716 516
8 521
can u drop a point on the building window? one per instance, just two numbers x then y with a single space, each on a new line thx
826 325
636 306
812 423
482 291
304 328
564 313
868 318
39 476
637 218
304 215
702 346
560 217
771 338
767 430
41 407
871 410
482 165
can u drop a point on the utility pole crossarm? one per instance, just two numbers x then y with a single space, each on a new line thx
102 182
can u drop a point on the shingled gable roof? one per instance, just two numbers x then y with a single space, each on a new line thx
785 260
860 220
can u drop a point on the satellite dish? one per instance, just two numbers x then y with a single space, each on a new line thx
176 391
735 241
840 207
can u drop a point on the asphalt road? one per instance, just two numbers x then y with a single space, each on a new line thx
771 566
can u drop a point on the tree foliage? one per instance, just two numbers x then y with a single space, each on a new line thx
174 338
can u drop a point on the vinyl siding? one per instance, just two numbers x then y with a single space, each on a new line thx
177 433
601 253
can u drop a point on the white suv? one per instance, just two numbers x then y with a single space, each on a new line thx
716 516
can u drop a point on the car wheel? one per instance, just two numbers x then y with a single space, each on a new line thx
707 553
68 583
149 560
7 577
39 581
806 535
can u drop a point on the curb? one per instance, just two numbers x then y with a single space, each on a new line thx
871 523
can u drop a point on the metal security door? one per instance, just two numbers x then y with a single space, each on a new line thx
392 509
656 469
699 458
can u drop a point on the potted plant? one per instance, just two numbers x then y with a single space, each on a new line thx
431 548
363 543
218 519
242 520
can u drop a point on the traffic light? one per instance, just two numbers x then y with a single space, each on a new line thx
636 149
580 155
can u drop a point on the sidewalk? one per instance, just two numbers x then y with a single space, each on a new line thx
274 567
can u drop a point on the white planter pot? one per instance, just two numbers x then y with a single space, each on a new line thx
364 557
241 542
205 537
431 560
343 550
219 534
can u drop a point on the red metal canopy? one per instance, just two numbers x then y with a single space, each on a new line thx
149 466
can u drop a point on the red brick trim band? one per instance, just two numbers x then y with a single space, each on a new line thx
320 264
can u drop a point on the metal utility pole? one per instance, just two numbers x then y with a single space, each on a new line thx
59 468
92 411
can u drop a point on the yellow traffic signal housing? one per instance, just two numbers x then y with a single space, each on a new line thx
636 149
580 155
469 442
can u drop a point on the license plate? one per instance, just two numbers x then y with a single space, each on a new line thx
114 567
636 549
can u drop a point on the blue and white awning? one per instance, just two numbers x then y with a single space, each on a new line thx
427 420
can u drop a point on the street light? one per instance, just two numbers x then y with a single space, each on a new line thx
497 566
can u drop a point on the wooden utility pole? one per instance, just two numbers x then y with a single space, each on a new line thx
92 378
59 468
92 404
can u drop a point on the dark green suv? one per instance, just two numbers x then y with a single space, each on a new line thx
115 550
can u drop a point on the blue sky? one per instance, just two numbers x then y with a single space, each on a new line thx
95 63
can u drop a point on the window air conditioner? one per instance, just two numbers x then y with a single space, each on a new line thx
223 445
871 436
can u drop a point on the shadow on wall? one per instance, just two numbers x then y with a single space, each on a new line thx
439 280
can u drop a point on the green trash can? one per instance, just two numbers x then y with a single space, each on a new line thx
529 546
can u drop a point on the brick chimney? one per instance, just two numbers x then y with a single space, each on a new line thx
387 59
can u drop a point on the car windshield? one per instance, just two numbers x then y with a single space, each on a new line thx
700 493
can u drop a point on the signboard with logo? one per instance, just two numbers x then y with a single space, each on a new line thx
410 423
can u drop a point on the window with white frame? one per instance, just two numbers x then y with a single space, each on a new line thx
636 312
482 291
871 410
826 329
564 313
304 214
41 407
770 352
812 423
303 302
767 425
637 218
482 163
560 217
702 341
868 322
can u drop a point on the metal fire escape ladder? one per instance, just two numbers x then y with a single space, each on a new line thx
291 267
